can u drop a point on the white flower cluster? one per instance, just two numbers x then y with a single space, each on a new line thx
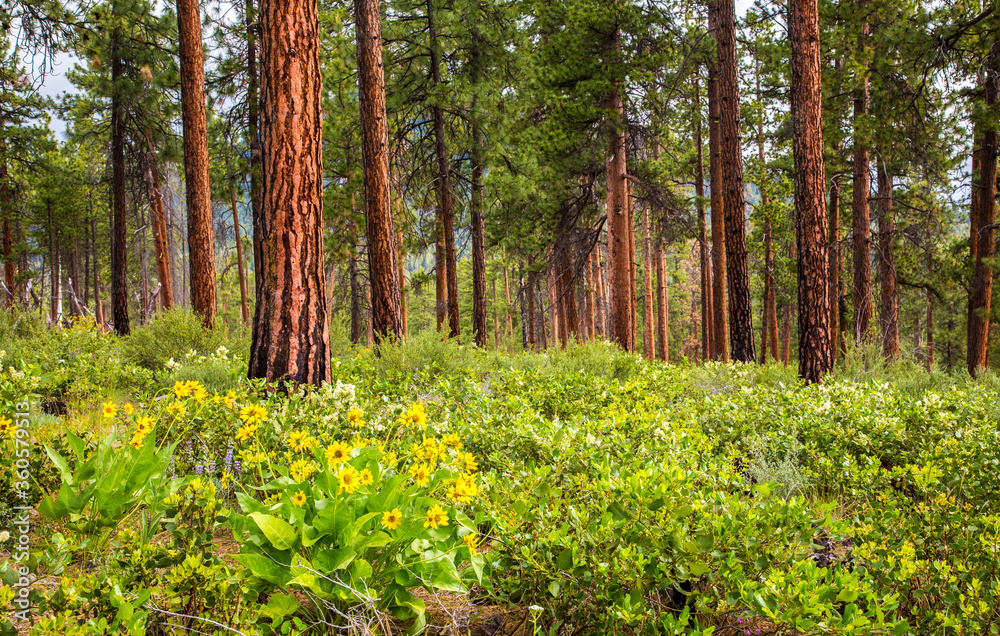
339 396
221 355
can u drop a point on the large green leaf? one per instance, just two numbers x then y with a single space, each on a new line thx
278 531
266 568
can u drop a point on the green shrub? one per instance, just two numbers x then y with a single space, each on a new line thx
172 334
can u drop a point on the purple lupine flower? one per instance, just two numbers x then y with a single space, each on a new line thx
200 469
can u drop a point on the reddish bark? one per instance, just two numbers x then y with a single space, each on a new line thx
201 234
291 340
810 195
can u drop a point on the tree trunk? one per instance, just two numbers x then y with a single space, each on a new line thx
86 258
159 223
401 275
977 144
119 256
239 258
446 214
633 265
386 319
532 335
663 303
253 124
201 234
707 325
8 239
352 273
740 315
930 330
649 341
291 340
506 291
496 326
810 195
981 293
770 302
786 334
833 289
720 330
619 229
441 267
478 243
54 270
887 266
98 309
588 282
769 337
601 309
861 216
553 308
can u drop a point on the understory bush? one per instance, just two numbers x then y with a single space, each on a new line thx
585 491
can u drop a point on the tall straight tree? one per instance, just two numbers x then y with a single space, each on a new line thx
981 293
887 265
703 247
291 337
720 329
386 317
737 272
810 184
619 229
446 215
476 202
119 255
860 213
201 235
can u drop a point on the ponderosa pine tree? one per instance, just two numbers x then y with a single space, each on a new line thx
119 253
201 233
386 317
981 293
291 339
810 186
861 186
731 174
720 330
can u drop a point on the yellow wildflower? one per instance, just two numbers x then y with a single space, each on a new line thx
470 462
349 480
452 440
245 432
182 389
198 392
299 499
109 409
354 416
472 542
144 424
337 453
415 415
6 427
366 477
436 516
253 413
300 440
390 459
421 474
176 409
465 489
127 408
300 470
392 519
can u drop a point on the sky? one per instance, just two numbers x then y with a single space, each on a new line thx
54 83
